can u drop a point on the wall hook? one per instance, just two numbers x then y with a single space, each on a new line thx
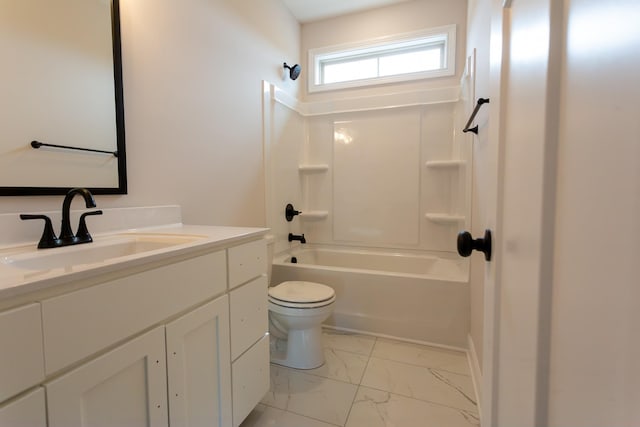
474 129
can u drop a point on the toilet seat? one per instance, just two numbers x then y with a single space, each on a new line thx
300 294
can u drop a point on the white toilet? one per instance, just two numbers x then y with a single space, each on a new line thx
296 312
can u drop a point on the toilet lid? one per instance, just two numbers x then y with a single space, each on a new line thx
301 292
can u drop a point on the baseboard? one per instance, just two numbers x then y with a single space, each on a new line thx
393 337
476 373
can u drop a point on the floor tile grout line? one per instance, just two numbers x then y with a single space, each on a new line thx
304 371
382 358
359 385
353 401
413 364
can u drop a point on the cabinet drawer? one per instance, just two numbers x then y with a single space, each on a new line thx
247 262
250 379
79 324
249 315
28 411
21 357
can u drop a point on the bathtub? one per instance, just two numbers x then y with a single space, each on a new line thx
407 295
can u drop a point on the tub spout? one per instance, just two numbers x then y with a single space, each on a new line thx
299 238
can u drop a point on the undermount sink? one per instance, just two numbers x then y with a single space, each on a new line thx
101 250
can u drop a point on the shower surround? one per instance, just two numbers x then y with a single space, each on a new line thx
385 173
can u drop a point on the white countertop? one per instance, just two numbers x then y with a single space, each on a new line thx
16 282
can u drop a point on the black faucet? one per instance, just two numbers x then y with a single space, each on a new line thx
66 234
300 238
67 238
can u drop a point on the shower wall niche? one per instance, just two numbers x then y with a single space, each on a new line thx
385 172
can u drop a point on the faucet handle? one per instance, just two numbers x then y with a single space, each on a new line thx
82 234
49 238
290 212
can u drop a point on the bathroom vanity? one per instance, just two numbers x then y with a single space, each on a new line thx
172 334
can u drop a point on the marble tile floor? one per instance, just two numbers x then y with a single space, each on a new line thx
371 382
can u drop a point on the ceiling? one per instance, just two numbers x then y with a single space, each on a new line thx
314 10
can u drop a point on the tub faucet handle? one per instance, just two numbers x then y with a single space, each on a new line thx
290 212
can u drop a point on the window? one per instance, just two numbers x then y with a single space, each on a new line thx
404 57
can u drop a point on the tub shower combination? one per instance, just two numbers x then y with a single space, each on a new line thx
434 302
369 173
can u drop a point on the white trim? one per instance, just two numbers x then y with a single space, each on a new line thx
287 100
392 337
476 373
367 103
448 31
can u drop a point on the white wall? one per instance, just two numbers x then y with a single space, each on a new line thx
193 72
400 18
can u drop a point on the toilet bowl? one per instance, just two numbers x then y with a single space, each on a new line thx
296 312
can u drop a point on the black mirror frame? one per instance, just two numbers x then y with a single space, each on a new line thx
120 133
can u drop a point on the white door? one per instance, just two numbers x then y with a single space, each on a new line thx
124 387
562 346
527 139
199 367
27 411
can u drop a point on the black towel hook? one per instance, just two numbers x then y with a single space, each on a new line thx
474 129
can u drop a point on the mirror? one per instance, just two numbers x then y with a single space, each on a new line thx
61 84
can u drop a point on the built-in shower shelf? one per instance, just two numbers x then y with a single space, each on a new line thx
445 164
442 218
314 215
312 168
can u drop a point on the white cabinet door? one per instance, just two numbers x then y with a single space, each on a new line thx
124 387
199 367
27 411
21 354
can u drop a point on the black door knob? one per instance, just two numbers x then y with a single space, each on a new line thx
467 244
